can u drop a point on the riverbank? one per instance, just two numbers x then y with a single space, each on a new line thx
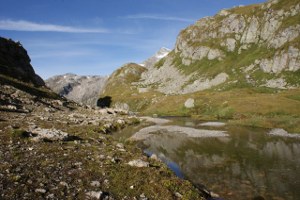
254 107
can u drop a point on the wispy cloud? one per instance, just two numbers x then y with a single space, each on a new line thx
22 25
159 17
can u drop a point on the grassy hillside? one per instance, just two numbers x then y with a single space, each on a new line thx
120 85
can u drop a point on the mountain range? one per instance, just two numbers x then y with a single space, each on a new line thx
87 89
81 89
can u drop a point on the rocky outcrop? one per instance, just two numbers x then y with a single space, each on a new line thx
286 60
81 89
15 62
272 29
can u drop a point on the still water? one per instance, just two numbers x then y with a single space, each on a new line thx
245 164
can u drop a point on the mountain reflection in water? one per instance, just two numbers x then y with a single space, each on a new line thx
246 164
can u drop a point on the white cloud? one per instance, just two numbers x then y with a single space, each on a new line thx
159 17
22 25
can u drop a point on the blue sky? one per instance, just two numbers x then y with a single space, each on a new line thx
94 37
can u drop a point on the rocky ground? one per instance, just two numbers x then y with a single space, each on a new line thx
52 149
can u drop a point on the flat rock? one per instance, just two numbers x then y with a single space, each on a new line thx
94 194
189 132
48 134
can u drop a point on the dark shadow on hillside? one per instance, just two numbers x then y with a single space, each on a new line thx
104 102
26 87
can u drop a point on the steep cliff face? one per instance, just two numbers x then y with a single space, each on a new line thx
244 50
15 62
81 89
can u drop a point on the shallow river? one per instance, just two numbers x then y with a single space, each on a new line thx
242 164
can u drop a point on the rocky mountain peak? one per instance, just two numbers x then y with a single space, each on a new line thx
161 53
15 62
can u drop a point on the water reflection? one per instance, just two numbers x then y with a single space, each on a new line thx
244 165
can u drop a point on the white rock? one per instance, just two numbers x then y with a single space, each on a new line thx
138 163
251 33
276 83
94 194
64 184
230 44
224 13
49 134
284 60
95 184
143 90
215 54
154 157
200 85
40 190
120 145
189 103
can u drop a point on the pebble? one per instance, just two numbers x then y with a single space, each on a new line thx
40 190
95 183
178 195
154 157
143 197
64 184
120 145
